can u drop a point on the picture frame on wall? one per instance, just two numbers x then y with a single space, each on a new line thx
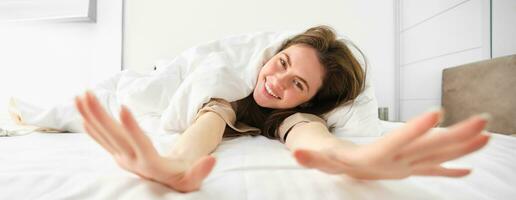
12 11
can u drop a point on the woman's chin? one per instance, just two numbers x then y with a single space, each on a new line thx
259 100
264 102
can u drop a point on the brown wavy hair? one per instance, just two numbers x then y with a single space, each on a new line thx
344 80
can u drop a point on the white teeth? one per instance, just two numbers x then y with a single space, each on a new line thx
270 91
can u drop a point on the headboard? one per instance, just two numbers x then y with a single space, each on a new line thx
485 86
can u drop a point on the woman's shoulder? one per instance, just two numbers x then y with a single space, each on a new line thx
220 102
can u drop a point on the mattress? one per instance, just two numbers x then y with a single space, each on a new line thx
73 166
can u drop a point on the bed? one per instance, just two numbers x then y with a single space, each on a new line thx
36 165
73 166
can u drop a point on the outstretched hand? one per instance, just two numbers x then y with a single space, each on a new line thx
133 150
409 150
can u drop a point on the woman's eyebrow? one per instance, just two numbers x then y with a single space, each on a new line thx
302 79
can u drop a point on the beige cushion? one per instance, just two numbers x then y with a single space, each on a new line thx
485 86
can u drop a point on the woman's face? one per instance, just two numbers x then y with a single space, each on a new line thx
290 78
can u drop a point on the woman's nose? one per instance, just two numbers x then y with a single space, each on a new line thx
282 80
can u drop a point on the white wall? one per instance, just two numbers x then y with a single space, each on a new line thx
504 27
160 29
434 35
48 61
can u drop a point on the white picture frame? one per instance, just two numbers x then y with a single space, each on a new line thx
15 11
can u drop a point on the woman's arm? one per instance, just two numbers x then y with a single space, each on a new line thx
405 152
313 136
200 139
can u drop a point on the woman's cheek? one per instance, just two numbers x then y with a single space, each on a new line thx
290 99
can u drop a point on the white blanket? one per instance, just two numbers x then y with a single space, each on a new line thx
172 95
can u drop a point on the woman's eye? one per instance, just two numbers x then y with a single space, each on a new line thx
298 84
283 63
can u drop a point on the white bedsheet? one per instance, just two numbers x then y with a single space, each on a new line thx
73 166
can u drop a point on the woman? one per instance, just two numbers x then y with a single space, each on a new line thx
311 74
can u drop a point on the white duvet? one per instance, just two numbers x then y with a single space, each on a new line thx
168 99
73 166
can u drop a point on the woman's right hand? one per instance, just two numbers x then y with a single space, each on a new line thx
133 150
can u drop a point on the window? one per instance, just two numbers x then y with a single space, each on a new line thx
61 10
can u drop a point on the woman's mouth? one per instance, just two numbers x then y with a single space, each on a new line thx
269 91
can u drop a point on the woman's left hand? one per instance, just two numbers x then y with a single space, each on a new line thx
409 150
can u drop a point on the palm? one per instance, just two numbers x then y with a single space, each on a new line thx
410 150
369 166
170 172
133 150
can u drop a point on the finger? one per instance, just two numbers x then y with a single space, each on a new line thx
107 126
441 171
137 137
313 159
454 151
93 132
409 132
457 134
91 119
79 104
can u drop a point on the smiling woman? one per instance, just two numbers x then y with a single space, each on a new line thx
312 72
